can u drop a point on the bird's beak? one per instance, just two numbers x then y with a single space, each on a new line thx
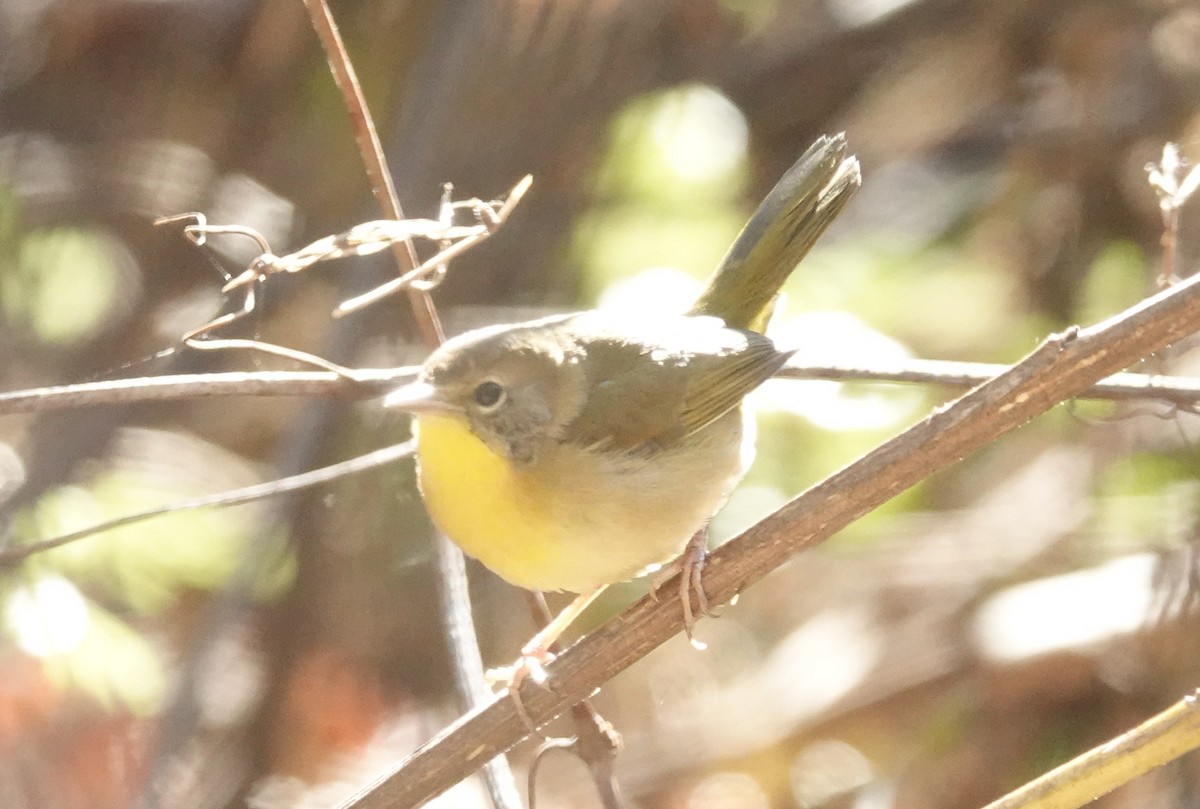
417 397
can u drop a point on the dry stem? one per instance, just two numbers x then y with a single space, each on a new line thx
367 382
1160 739
1063 366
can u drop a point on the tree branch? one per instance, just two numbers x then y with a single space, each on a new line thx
363 383
1162 738
367 382
371 152
15 554
1065 365
1181 391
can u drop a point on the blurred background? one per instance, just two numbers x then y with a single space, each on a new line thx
1031 602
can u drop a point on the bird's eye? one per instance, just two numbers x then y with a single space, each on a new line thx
489 395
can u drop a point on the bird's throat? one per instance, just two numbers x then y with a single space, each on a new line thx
480 500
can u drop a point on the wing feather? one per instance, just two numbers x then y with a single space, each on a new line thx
650 390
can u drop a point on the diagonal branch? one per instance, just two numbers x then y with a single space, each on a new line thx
1162 738
1063 366
464 645
371 151
14 554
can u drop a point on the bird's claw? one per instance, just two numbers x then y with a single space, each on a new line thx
690 567
531 665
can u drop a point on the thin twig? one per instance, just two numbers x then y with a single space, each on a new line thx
295 355
467 659
371 152
498 777
368 382
14 554
1160 739
596 742
364 239
1178 390
407 279
1063 366
362 383
1174 184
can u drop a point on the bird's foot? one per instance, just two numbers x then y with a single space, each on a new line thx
529 666
690 567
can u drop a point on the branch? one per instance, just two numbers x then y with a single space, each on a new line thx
450 572
1065 365
1181 391
368 382
371 152
1162 738
15 554
362 383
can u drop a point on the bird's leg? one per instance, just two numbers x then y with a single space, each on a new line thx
690 567
536 653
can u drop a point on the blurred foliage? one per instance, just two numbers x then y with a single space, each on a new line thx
670 189
62 284
147 564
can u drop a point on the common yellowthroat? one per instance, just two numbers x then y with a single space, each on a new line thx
576 451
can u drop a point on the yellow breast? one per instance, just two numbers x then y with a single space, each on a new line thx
476 499
576 518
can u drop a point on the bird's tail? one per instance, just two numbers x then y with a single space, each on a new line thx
780 233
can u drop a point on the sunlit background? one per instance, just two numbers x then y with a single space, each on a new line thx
1034 600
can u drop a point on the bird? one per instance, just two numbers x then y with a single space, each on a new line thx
575 451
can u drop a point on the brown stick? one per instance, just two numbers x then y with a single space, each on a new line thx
1063 366
368 382
1162 738
371 151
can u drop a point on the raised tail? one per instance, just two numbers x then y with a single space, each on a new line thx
780 233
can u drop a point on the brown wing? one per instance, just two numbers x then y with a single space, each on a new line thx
720 383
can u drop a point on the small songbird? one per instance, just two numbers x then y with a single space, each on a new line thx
577 451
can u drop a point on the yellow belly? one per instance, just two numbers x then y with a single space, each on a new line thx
575 518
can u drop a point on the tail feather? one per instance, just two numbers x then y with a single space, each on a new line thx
789 221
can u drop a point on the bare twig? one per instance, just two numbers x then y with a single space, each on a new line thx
1176 390
1174 185
361 240
596 742
14 554
233 343
1063 366
368 238
371 152
1163 738
362 383
465 644
498 216
366 382
598 749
